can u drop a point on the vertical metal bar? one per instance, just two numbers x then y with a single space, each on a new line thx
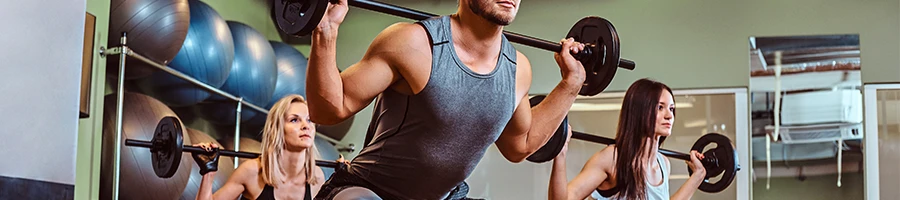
237 129
120 95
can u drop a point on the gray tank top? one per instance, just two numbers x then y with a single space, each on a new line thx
426 144
659 192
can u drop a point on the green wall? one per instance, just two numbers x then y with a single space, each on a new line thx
87 163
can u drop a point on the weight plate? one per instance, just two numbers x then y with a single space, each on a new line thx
298 17
600 36
552 148
721 160
167 145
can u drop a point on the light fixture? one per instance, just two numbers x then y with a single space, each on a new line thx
613 106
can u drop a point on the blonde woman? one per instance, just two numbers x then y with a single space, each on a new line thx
286 168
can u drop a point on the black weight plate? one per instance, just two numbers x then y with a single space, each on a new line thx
298 17
167 146
600 36
552 148
724 161
711 162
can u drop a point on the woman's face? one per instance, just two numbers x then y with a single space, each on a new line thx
299 131
665 114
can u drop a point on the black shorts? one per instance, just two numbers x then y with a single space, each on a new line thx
342 179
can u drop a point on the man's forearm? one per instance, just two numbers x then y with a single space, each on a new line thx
324 86
548 115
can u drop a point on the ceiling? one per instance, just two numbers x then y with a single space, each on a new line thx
804 53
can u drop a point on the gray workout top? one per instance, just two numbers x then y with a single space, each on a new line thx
659 192
426 144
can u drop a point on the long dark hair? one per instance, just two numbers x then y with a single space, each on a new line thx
637 123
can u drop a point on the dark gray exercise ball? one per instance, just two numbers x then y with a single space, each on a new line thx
137 180
156 29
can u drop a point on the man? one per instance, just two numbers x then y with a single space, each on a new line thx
447 88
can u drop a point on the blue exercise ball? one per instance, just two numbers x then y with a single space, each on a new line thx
206 55
291 66
327 151
253 75
291 72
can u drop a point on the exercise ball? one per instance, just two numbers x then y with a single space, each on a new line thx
206 55
327 151
226 166
155 29
291 79
336 131
253 75
137 180
253 129
291 66
246 144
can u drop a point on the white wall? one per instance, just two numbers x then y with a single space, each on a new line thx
40 68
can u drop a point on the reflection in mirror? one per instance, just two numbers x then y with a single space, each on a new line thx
806 107
888 114
697 115
698 112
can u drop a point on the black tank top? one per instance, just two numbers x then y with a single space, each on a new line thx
268 193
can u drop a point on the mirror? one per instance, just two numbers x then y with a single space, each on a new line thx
806 117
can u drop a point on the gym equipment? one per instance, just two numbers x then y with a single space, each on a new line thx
249 145
291 66
337 131
166 148
206 55
327 151
225 167
253 76
291 78
137 177
556 142
157 28
123 52
721 160
600 56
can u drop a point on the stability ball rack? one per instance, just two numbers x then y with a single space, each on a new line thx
123 51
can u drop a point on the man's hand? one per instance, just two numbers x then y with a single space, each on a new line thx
334 16
572 70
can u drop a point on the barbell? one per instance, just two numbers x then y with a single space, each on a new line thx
719 160
600 56
166 148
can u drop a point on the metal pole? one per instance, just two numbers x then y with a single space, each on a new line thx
237 129
203 85
120 95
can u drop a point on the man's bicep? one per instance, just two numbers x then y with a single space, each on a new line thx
364 80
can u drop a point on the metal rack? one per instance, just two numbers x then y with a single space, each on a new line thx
124 52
